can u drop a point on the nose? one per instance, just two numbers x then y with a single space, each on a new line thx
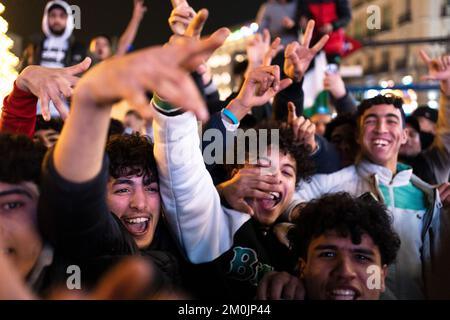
138 200
381 126
344 268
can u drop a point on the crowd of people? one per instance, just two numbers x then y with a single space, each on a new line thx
351 208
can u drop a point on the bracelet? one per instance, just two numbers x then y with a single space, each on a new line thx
227 113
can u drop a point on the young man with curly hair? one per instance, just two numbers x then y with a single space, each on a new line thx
345 246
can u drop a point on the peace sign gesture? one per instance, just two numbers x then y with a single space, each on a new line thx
298 56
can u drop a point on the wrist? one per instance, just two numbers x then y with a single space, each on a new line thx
238 108
22 81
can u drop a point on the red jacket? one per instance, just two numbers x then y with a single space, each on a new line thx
336 12
19 113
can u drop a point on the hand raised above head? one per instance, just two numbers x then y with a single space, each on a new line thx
51 85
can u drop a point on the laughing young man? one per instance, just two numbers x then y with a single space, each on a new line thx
418 216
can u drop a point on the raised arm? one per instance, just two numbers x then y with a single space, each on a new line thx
127 38
19 110
438 155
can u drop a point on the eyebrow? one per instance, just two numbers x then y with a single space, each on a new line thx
16 191
364 251
289 165
123 181
389 115
335 248
325 247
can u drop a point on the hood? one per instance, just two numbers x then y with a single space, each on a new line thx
70 22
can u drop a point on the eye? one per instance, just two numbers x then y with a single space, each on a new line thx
363 258
287 173
152 189
369 122
12 205
327 254
121 191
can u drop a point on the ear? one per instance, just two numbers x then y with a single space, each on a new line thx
384 272
404 137
301 267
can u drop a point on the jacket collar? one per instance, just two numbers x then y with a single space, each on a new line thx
367 170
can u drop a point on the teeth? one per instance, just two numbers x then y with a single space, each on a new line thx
343 294
275 195
380 142
137 220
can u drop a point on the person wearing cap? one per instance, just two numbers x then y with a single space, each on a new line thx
427 118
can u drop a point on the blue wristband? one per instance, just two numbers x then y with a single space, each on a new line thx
230 116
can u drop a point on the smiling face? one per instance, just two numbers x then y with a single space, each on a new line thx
283 166
337 269
381 135
18 227
136 202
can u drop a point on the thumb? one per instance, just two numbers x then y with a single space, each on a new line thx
176 3
79 68
196 26
292 115
243 206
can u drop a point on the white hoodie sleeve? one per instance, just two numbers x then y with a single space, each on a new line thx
203 228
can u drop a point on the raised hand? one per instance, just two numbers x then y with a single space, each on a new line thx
248 183
139 9
163 70
438 70
261 85
51 85
182 14
260 51
298 56
303 129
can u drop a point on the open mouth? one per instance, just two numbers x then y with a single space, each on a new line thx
137 226
343 294
380 143
269 204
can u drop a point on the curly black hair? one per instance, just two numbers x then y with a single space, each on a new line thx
54 123
20 159
394 100
341 119
345 215
286 144
131 155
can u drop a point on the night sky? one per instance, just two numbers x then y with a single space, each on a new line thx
111 17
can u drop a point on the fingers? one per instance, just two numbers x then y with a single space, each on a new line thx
322 42
196 26
192 54
266 36
243 206
272 52
263 286
307 36
79 68
444 191
292 113
176 3
284 84
60 105
425 58
45 106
